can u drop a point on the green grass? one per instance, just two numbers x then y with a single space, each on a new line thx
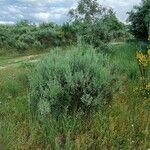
125 124
124 57
11 53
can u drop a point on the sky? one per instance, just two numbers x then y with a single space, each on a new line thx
37 11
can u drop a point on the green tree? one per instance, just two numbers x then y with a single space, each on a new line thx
139 18
94 23
87 10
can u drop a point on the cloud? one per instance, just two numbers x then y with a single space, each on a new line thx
7 22
121 7
38 11
42 16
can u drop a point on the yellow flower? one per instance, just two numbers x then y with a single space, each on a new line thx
148 52
147 86
142 58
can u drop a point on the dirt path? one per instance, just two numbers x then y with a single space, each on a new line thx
15 62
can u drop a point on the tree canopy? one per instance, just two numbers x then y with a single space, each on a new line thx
95 23
139 18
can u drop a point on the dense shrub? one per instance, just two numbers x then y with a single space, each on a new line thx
27 38
21 46
80 80
139 18
23 36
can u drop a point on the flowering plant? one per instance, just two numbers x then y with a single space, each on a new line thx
144 64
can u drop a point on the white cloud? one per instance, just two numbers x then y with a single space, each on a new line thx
121 7
13 9
6 22
54 10
42 16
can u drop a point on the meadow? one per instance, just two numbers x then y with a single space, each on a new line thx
80 85
122 123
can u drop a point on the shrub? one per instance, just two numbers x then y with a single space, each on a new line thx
37 45
27 38
76 81
21 46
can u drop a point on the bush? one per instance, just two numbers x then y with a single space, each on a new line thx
27 38
76 81
37 45
21 46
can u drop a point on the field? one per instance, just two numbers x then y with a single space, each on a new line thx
123 123
75 75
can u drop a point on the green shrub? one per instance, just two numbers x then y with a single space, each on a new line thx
37 45
27 38
21 46
76 81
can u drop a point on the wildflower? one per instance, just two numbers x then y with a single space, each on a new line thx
142 59
148 86
144 62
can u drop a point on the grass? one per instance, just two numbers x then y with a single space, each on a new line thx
6 54
124 57
125 124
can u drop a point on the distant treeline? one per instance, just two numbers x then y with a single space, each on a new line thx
23 35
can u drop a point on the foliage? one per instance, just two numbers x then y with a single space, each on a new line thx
144 64
139 19
60 88
96 24
21 46
87 10
69 34
80 80
124 124
24 36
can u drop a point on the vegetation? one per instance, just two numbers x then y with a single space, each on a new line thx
121 123
86 93
77 81
143 61
140 20
96 24
24 35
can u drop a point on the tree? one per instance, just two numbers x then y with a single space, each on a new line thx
94 23
139 18
87 10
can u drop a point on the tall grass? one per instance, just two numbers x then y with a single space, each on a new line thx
124 57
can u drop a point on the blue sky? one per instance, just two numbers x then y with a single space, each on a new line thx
37 11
